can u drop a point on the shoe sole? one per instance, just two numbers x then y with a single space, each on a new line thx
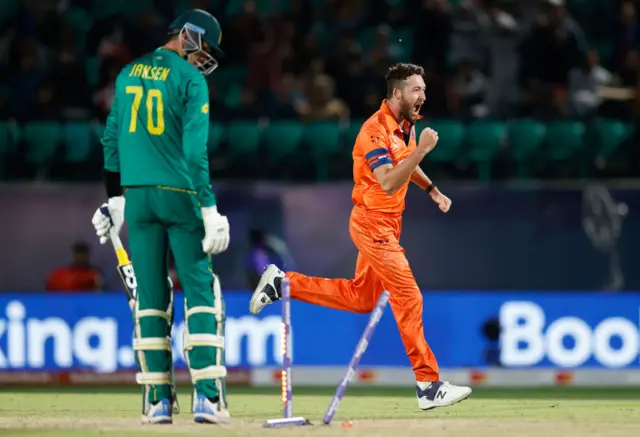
457 401
268 276
163 420
209 419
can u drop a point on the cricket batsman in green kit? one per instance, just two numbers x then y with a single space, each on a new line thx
155 161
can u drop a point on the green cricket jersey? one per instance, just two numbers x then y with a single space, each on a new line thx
156 133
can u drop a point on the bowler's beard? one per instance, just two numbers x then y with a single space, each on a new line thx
406 111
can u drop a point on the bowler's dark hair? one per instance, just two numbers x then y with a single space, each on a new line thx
399 73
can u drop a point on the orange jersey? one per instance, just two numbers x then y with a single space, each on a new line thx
381 141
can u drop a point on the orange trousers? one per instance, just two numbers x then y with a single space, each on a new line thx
381 265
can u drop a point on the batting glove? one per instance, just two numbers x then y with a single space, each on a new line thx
109 215
216 231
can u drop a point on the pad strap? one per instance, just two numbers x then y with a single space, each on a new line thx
153 313
210 310
153 378
204 340
152 344
209 372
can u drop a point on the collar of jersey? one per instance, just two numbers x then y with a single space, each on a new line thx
389 120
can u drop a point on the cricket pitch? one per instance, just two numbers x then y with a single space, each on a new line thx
370 412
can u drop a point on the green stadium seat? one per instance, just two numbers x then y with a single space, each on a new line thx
526 137
9 137
564 139
92 69
610 136
485 139
216 131
351 133
323 138
79 140
42 139
282 138
243 138
8 10
450 137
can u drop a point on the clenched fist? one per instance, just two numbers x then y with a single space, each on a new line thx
428 140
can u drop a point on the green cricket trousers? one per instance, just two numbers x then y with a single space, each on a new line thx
160 219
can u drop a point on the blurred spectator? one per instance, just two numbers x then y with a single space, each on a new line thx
432 41
468 39
555 45
265 249
584 83
469 91
324 105
503 38
80 275
626 32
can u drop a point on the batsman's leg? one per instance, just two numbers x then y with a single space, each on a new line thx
204 320
152 342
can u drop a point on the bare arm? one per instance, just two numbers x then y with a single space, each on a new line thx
420 178
392 178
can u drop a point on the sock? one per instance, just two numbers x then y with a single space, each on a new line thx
424 385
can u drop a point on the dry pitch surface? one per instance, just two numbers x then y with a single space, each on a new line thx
554 412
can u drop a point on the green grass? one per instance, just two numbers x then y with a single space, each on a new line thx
374 412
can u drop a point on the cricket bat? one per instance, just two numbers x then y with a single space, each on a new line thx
128 276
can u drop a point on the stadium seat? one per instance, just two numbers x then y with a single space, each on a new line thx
243 138
485 139
351 133
450 136
8 10
9 137
564 139
216 131
282 138
526 137
42 139
79 140
92 69
323 138
610 136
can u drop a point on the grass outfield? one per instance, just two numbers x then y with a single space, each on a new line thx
372 412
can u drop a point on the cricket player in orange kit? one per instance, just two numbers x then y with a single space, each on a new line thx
386 159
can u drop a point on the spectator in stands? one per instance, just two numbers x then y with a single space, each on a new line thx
504 35
468 38
80 275
265 249
555 45
432 41
469 91
626 33
584 83
324 105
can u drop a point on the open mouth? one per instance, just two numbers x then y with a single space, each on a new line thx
417 107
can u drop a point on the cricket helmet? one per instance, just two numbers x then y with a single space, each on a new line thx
194 27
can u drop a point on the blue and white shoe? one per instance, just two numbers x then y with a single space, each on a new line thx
160 413
205 411
440 394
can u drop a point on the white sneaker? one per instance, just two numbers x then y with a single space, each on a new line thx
205 411
160 413
440 394
266 292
